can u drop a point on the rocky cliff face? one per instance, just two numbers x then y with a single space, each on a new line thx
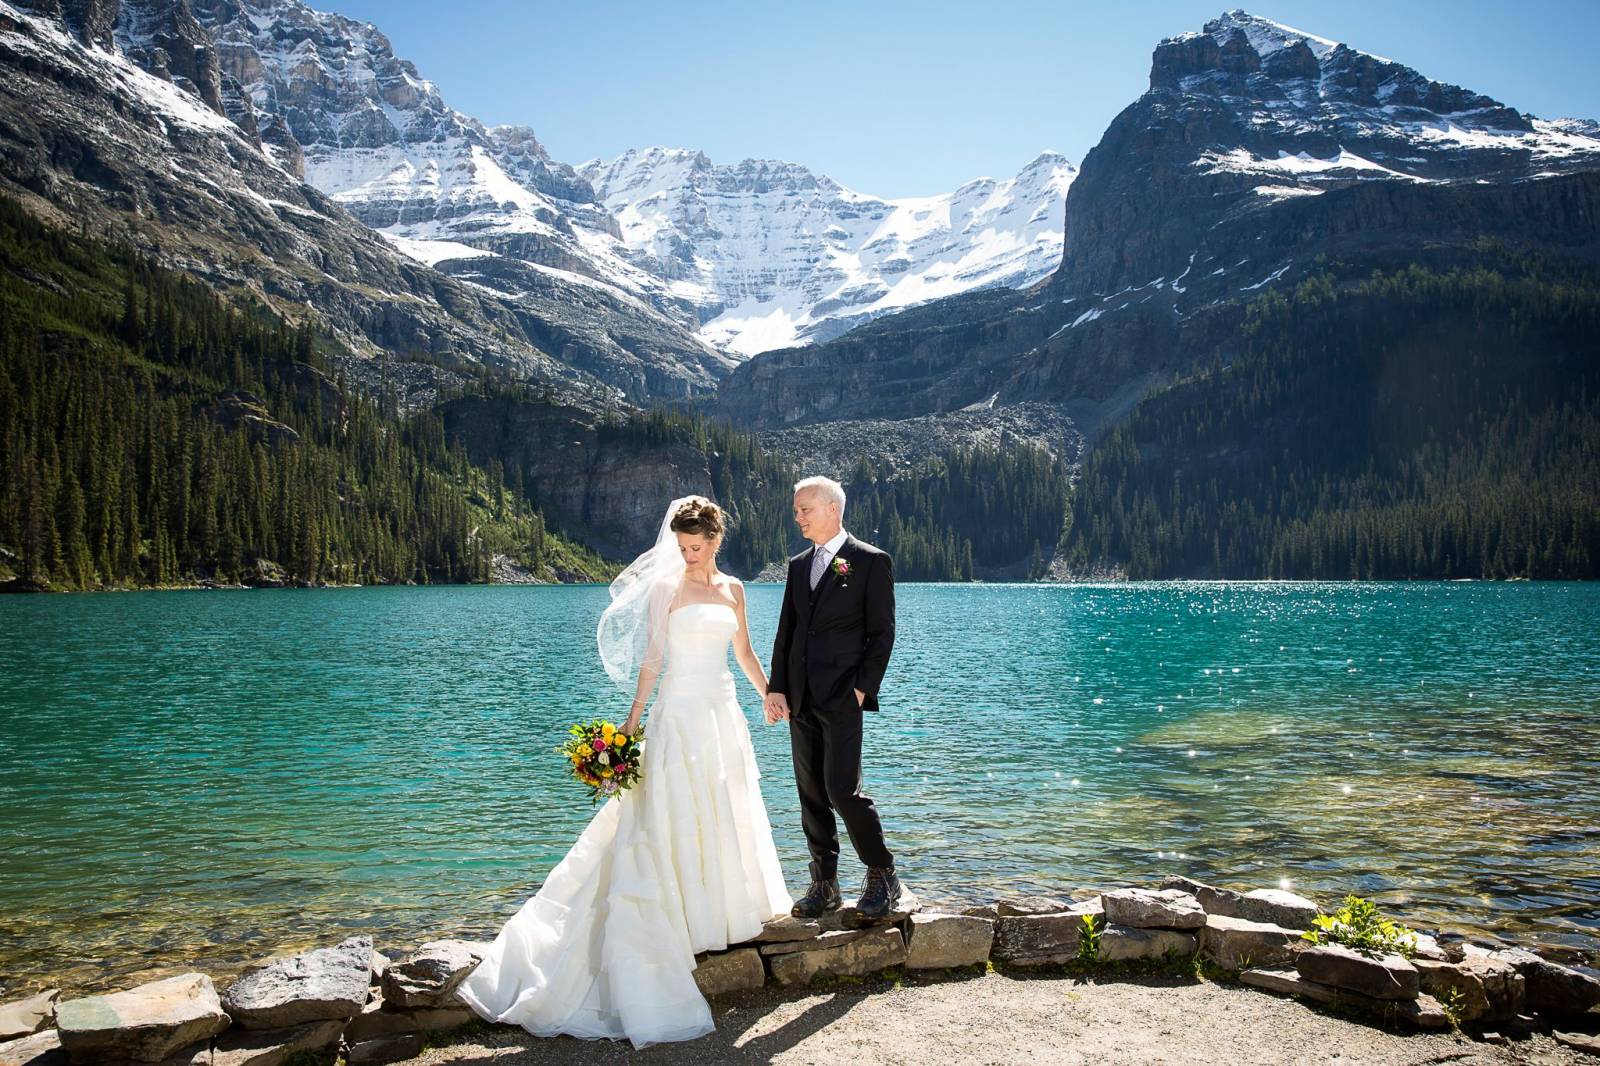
148 131
606 489
770 254
1259 154
1247 117
378 138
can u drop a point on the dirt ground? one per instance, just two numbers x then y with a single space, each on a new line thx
997 1018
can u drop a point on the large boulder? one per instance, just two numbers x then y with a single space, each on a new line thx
24 1017
378 1019
909 904
739 970
274 1047
1271 906
312 986
40 1049
1215 900
1276 906
1481 988
1143 908
1380 977
143 1024
1123 943
1424 1012
1037 939
820 942
879 950
789 928
429 976
1239 944
1551 987
946 941
385 1049
1017 906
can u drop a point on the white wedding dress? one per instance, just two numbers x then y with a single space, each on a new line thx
681 863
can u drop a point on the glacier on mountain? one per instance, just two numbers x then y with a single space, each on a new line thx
773 255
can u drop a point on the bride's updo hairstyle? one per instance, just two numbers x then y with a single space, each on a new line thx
698 516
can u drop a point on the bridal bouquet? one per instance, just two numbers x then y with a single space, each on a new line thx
602 758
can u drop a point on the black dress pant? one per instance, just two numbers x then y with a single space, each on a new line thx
827 768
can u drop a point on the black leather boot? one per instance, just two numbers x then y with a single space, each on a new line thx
822 897
880 895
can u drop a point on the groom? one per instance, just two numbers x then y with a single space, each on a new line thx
834 636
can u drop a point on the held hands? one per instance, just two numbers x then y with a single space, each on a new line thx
776 707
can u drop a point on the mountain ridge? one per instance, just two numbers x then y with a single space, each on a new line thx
1233 173
771 253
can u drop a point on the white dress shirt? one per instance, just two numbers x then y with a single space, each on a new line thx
822 555
835 542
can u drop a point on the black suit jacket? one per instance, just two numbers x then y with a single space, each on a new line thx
837 638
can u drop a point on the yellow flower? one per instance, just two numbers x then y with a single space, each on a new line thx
607 729
606 772
622 738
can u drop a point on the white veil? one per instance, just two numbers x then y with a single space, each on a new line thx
633 628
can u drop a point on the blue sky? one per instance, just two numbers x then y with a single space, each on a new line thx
912 99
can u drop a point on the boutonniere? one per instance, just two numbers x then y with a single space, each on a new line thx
842 568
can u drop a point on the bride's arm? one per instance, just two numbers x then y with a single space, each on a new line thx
648 672
742 649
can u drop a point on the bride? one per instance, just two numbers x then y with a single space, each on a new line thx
681 863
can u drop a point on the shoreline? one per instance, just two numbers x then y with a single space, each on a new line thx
16 587
1260 945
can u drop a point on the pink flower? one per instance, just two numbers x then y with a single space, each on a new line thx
841 567
599 744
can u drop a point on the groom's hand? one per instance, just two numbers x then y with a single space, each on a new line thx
776 707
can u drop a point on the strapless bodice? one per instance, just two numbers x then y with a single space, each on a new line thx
698 635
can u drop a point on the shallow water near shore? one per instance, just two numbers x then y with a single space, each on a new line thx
195 779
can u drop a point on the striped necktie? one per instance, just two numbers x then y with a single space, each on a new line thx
819 563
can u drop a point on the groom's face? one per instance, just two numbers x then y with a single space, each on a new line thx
817 516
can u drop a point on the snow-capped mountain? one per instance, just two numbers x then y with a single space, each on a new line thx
487 205
117 118
771 254
1247 115
1260 154
490 205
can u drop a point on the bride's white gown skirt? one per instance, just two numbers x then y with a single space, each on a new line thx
683 862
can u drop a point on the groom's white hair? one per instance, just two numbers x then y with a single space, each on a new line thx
826 486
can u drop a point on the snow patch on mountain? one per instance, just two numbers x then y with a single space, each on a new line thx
773 255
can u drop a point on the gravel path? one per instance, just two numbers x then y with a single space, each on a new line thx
1006 1019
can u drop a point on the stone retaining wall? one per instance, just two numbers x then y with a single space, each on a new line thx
350 1001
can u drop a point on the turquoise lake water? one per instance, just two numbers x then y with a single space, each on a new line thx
196 778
